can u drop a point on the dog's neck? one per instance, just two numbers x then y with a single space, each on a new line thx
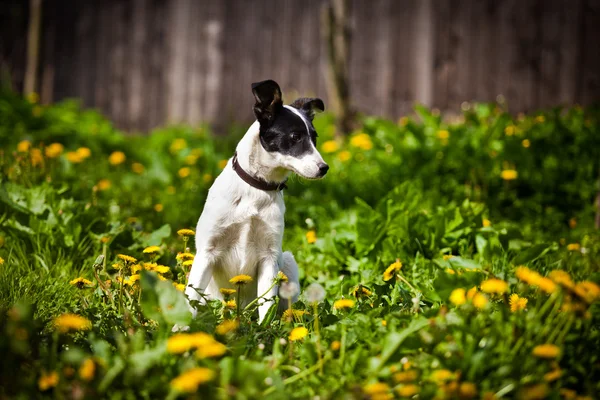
256 161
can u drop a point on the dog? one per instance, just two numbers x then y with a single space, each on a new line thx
240 230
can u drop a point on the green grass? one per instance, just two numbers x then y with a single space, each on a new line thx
424 191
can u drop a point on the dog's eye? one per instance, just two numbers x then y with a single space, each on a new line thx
295 136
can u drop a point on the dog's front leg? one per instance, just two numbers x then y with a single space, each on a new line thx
267 272
200 275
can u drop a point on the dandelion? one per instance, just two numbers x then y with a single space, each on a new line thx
343 304
467 390
54 150
188 263
190 380
344 155
103 184
116 158
534 392
390 272
281 277
206 178
80 282
184 256
516 302
184 172
335 345
553 375
572 223
84 152
298 333
48 380
228 325
1 260
447 257
458 297
230 304
186 232
574 247
403 121
562 278
126 258
74 157
290 314
588 291
227 292
223 163
151 249
526 143
23 146
509 174
211 350
289 290
540 119
240 279
311 237
480 301
546 350
510 130
493 285
178 145
360 291
486 223
471 293
314 293
179 286
330 146
87 369
546 285
361 141
134 278
378 391
137 168
158 207
442 375
407 390
183 342
406 376
72 322
443 134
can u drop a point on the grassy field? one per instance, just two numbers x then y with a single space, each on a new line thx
440 258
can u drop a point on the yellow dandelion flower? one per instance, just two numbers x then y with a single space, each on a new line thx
223 163
116 158
540 119
184 256
74 157
84 152
442 375
206 178
406 376
526 143
486 223
190 380
182 342
447 257
390 271
134 278
383 322
151 249
311 237
186 232
1 260
103 184
403 121
281 277
526 275
546 350
467 390
210 350
480 301
188 263
572 223
72 322
230 304
126 258
80 282
179 286
547 285
562 278
588 291
23 146
228 325
178 145
343 304
137 168
458 297
227 292
534 392
443 134
293 314
553 375
344 155
87 370
361 141
36 157
574 247
360 291
330 146
471 293
184 172
494 285
136 268
407 390
158 207
54 150
510 130
240 279
48 380
335 345
509 174
378 390
516 302
298 333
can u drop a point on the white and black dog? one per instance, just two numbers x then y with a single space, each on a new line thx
241 227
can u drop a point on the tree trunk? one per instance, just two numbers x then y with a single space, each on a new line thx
33 46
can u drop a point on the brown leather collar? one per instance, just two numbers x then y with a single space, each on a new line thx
255 182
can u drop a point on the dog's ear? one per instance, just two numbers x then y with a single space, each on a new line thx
310 106
268 101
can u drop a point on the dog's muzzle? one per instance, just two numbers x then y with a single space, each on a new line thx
323 168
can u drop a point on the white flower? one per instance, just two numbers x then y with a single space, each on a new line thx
288 290
314 293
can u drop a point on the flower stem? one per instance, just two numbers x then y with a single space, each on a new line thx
316 325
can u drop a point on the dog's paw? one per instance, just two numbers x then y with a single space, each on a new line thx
178 328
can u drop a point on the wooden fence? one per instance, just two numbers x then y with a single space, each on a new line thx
145 63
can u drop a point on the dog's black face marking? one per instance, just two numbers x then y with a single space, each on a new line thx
288 135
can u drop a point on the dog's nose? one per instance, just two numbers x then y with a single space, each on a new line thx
323 168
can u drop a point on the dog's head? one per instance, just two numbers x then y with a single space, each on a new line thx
287 132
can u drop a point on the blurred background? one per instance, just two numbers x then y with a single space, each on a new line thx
147 63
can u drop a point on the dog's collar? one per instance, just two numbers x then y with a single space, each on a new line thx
255 182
